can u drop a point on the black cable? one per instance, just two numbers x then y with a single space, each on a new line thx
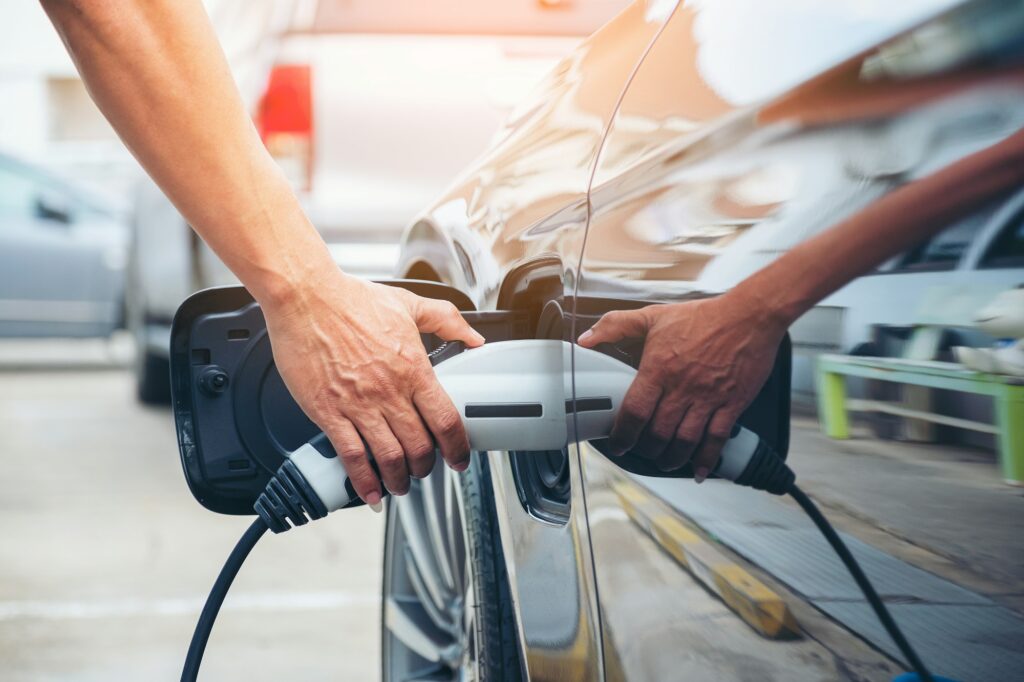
216 598
862 582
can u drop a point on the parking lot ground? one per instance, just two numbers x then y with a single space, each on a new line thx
943 508
105 557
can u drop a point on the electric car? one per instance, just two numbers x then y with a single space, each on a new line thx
677 150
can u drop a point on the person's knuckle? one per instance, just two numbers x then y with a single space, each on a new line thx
351 453
421 453
612 317
719 433
390 458
688 434
448 423
662 433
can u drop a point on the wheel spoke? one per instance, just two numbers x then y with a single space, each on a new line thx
407 620
410 515
428 632
441 618
434 513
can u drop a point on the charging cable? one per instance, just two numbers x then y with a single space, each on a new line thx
291 497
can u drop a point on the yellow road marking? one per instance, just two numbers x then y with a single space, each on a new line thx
753 601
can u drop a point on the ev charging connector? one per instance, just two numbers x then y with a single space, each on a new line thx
512 396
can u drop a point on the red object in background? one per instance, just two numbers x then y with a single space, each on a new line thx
285 121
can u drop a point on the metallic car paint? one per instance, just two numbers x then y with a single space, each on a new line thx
526 196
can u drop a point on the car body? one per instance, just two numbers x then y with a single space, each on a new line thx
679 149
370 109
62 256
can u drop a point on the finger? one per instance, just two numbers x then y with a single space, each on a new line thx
387 452
688 437
705 459
350 449
636 410
415 441
618 324
443 318
444 423
661 429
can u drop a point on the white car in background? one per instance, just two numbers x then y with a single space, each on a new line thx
370 108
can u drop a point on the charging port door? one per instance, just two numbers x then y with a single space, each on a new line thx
235 419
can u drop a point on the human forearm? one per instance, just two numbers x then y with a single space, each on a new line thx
352 356
811 271
156 66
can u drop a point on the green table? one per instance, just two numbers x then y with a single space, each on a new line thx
1008 392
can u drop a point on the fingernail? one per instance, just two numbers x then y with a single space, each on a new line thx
700 474
461 466
479 337
585 335
373 502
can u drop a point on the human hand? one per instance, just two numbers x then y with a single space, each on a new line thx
350 354
704 362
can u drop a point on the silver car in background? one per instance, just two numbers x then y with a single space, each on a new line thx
62 257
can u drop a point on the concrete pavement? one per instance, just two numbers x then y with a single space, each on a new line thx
105 558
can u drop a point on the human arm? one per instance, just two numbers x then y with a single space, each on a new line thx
705 361
354 361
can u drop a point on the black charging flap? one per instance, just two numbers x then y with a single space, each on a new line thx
236 421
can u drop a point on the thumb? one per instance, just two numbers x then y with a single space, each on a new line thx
443 318
616 325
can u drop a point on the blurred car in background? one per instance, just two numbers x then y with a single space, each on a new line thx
943 281
678 150
62 256
370 108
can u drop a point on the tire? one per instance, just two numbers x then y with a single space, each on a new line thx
153 379
447 612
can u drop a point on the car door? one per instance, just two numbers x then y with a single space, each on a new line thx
697 185
528 213
50 276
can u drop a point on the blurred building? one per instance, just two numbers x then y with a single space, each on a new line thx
48 117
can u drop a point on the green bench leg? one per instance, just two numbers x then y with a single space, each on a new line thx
1010 419
832 405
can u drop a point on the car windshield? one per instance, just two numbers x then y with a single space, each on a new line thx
509 17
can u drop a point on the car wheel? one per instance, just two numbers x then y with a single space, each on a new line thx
153 378
447 610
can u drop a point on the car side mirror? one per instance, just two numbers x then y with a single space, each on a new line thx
52 208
